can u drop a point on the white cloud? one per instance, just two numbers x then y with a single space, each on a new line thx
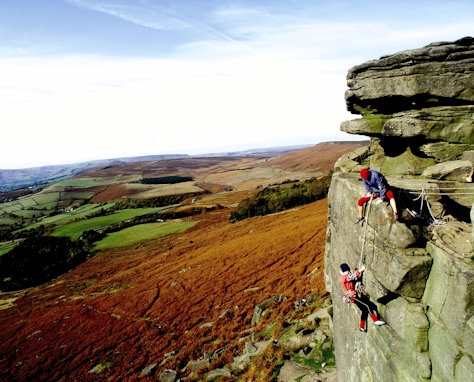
116 107
258 79
144 14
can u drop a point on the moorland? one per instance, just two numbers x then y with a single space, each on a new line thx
157 267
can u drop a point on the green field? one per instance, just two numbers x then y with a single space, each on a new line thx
77 195
79 213
81 183
41 202
4 220
4 248
74 230
141 232
28 202
32 208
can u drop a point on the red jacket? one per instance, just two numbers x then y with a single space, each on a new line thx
348 282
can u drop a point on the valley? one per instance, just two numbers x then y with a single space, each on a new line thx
182 285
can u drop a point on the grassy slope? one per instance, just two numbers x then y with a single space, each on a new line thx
4 248
127 307
75 230
141 232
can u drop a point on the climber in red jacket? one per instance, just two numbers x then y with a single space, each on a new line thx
348 282
375 185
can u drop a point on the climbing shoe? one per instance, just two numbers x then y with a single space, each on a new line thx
379 322
358 220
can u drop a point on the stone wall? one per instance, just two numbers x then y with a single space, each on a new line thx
417 107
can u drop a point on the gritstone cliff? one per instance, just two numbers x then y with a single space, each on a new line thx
417 108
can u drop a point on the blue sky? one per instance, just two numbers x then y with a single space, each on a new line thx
92 79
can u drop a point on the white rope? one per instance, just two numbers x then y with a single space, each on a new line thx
449 193
434 221
443 188
366 222
446 193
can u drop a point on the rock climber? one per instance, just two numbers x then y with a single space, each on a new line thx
348 282
376 186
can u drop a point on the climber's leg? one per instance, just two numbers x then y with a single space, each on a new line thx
360 206
393 204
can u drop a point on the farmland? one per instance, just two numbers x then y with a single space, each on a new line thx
74 230
78 213
147 289
141 232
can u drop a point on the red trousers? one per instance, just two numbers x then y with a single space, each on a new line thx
389 195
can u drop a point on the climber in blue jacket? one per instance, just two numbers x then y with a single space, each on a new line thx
376 186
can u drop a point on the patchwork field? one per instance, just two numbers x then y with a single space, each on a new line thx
215 174
74 214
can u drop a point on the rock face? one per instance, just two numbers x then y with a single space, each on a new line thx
417 107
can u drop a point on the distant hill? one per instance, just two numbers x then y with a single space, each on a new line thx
257 152
35 176
319 158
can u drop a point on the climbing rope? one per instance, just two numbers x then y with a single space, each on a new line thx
366 223
423 196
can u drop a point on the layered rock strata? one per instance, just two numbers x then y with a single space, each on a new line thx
417 107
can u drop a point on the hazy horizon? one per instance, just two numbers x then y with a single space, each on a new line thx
197 154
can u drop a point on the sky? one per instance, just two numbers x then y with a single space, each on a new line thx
96 79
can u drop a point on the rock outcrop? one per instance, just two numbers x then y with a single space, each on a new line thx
417 107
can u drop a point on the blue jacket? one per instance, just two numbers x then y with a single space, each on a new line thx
376 184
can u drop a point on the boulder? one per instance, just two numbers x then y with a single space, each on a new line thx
406 163
322 314
414 77
445 151
370 126
196 365
168 376
291 371
443 123
216 373
150 369
458 170
260 308
250 351
209 324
